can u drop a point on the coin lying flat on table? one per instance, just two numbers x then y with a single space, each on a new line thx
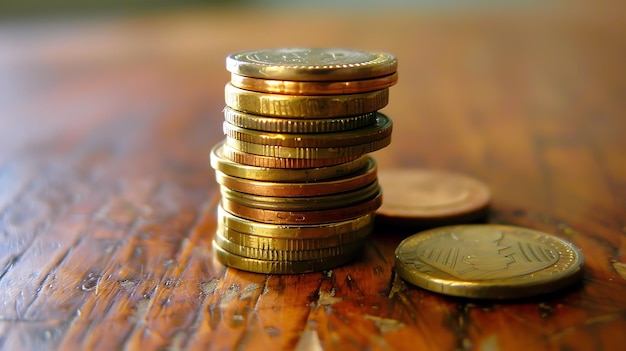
311 64
415 197
488 261
291 87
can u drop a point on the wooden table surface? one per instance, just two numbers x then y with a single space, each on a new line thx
107 200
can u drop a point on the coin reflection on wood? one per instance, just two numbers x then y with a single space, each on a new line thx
488 261
298 189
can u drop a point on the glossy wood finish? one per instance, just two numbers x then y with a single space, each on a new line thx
107 200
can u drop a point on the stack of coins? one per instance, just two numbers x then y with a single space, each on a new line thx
298 188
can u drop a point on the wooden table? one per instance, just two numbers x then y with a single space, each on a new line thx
107 200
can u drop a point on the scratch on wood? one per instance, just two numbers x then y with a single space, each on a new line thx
327 298
230 294
208 288
248 291
397 286
620 268
385 324
309 341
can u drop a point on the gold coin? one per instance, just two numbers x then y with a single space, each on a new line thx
337 152
303 217
377 131
299 231
291 87
283 189
302 203
286 255
431 197
281 162
280 267
311 64
220 163
279 243
298 125
305 106
488 261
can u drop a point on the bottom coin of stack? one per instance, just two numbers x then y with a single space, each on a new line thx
304 220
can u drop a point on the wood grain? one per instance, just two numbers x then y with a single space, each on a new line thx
107 200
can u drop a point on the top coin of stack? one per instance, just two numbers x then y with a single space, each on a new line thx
298 190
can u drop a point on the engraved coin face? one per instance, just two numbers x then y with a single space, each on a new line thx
488 261
419 196
311 64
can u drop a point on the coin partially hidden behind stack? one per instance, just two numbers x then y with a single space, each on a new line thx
298 188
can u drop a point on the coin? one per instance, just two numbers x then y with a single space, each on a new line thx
381 129
283 189
431 197
280 267
280 243
281 162
291 87
297 125
220 163
302 203
305 106
311 64
286 255
338 152
298 231
302 217
488 261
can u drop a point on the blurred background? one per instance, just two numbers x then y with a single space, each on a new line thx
66 63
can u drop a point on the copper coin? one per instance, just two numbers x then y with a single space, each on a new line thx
303 217
291 87
283 189
302 203
431 197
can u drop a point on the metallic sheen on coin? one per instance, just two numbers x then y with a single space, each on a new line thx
488 261
297 125
311 64
221 163
379 130
279 267
291 87
305 106
431 197
322 187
